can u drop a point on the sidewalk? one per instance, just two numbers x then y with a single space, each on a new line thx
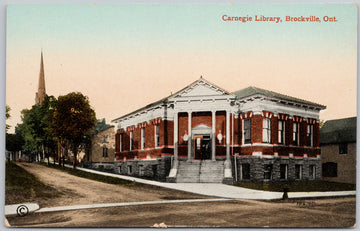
223 190
34 207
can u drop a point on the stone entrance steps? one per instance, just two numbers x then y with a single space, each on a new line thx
188 172
211 171
205 171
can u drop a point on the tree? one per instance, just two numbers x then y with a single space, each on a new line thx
72 120
27 128
14 142
7 115
34 128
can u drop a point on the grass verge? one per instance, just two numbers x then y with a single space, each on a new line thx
298 186
21 186
91 176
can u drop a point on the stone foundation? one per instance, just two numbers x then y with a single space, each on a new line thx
257 168
105 167
154 169
159 169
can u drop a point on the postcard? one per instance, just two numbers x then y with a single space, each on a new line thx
181 115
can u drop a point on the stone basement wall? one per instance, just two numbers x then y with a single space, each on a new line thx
257 167
105 167
156 169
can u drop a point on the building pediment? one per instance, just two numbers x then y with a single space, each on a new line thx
201 88
201 129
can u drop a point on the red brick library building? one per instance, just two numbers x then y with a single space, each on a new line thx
203 133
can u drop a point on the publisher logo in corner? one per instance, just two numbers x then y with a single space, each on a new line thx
22 210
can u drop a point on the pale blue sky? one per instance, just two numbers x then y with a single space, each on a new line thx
124 56
176 26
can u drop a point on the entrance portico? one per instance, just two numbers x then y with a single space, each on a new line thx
199 138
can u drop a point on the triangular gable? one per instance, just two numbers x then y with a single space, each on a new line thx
200 87
201 129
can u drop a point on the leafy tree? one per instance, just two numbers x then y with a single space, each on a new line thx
34 128
14 142
7 115
72 120
28 130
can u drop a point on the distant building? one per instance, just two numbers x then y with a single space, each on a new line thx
204 133
102 151
338 150
41 93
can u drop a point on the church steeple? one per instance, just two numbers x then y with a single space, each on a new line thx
40 94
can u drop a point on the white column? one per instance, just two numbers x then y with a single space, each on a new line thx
213 131
227 135
173 170
189 134
176 132
227 170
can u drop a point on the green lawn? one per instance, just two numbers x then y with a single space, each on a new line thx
22 186
298 186
91 176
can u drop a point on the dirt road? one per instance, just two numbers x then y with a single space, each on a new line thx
329 212
78 190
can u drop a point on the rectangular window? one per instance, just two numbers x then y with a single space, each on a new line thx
247 131
283 171
295 134
129 167
298 171
198 143
268 171
105 140
141 170
329 169
121 139
266 130
343 148
105 152
157 136
131 140
312 172
281 132
142 138
245 171
309 135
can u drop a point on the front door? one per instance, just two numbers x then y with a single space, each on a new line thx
202 147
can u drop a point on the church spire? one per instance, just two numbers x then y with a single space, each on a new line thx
40 94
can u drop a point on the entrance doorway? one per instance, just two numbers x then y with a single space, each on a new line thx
202 147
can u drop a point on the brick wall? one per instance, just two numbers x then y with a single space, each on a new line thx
316 135
237 131
183 126
201 118
220 125
274 130
288 132
256 129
